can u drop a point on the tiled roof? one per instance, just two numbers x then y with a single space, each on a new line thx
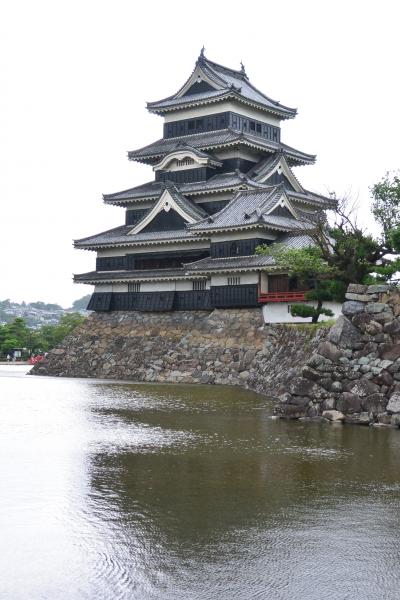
190 208
250 208
264 166
182 146
165 146
228 83
148 275
214 139
296 242
119 236
152 189
312 198
207 265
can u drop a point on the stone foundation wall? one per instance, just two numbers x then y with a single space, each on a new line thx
223 347
354 375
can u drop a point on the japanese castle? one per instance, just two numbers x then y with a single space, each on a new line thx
223 185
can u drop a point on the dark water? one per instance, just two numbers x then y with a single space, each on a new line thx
116 491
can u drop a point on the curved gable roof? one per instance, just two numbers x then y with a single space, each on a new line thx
219 82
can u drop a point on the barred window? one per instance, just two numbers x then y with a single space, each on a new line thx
199 285
185 162
134 287
233 280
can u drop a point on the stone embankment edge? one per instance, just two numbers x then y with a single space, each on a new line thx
354 375
228 347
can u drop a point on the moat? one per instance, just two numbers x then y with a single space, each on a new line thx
161 492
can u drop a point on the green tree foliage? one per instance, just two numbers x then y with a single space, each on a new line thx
81 303
44 306
305 311
386 208
342 252
312 271
18 335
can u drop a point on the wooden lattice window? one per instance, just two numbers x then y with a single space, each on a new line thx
134 287
184 162
233 280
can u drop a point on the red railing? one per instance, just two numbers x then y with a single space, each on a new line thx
298 296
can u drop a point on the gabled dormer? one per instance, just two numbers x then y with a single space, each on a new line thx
275 170
171 212
186 164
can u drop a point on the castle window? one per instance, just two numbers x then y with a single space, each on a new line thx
134 287
234 250
199 285
184 162
233 280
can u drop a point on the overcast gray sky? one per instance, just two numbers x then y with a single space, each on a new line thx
75 77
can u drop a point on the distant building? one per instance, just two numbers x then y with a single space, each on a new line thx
223 185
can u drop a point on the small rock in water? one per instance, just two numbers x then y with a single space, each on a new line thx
333 415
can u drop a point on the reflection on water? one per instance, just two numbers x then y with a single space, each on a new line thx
184 492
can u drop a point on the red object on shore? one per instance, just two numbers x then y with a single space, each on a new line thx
35 359
282 296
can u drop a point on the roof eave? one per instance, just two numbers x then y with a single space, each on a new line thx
119 279
284 113
130 244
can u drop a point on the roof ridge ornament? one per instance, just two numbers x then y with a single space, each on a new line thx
243 70
201 55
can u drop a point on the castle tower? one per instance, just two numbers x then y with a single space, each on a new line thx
223 184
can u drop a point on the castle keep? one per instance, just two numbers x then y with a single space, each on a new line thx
223 184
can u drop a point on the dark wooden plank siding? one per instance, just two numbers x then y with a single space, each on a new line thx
235 247
134 216
197 125
100 301
213 207
199 88
277 178
164 260
144 301
166 221
111 263
224 296
234 296
222 121
186 175
192 300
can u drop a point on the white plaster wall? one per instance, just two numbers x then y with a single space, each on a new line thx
211 197
174 166
245 278
279 312
244 153
150 286
263 281
157 286
120 287
218 107
103 287
140 205
184 286
111 252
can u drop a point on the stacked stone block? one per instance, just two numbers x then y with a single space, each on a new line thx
354 375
